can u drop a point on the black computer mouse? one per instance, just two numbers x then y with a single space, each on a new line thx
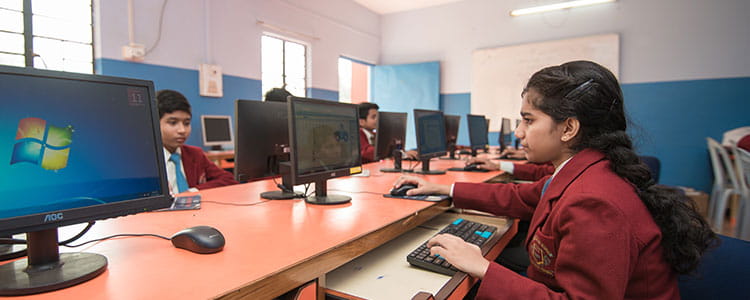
199 239
401 191
472 167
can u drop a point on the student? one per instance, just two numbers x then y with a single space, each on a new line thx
599 228
368 122
186 164
277 94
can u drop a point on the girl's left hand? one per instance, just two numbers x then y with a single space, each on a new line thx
464 256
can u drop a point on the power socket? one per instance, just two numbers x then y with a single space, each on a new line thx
134 52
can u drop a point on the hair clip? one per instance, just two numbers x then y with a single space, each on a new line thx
614 101
579 90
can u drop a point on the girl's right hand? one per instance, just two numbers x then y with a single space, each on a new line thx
424 187
484 163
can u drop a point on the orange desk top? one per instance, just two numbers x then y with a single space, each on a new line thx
262 241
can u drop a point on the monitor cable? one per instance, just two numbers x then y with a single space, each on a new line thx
21 253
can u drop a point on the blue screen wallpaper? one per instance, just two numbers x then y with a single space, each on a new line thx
68 144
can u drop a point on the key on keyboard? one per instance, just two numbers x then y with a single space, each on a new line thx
472 232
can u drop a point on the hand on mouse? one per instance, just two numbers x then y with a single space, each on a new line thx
464 256
424 187
483 163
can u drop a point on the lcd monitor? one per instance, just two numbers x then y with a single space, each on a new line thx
451 135
431 141
390 137
505 136
477 132
77 148
217 131
262 139
324 143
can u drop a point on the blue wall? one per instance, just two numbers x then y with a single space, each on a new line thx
669 120
323 94
186 82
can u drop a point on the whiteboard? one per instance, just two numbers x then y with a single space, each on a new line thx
499 74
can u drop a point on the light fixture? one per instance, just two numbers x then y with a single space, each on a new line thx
556 6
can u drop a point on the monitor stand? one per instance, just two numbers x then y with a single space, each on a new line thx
46 269
286 187
322 197
396 163
473 152
452 153
426 169
12 251
217 148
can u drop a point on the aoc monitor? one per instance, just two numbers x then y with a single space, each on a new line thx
477 132
262 139
431 140
77 148
217 131
324 143
390 138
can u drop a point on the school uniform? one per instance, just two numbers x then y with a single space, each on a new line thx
532 171
591 236
366 149
200 172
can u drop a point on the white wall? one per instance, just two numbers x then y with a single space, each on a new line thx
225 32
661 40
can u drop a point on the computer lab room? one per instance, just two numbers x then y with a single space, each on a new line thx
374 149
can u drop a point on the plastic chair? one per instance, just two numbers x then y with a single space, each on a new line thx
653 164
722 274
725 183
742 164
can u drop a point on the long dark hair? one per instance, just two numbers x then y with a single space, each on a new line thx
590 93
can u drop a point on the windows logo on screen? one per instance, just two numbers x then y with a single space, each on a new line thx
38 144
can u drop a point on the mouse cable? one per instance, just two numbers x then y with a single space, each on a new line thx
119 235
237 204
362 192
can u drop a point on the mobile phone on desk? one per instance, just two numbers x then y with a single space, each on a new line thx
185 203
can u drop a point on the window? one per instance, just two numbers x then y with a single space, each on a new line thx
354 81
283 63
47 34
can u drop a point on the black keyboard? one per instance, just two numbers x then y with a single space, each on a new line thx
472 232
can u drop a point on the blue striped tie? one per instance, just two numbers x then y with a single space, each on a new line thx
181 181
546 184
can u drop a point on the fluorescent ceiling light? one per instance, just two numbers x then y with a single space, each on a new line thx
557 6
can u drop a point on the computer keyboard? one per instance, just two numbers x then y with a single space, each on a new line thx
472 232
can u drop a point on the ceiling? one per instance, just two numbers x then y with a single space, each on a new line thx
391 6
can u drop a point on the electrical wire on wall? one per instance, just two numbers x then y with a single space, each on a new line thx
158 32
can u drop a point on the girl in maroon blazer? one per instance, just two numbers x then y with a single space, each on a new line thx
600 228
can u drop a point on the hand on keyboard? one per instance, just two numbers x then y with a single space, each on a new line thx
461 248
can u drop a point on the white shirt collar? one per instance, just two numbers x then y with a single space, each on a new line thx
557 170
369 135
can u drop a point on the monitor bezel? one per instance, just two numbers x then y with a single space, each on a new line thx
399 117
417 130
472 143
217 143
36 222
320 175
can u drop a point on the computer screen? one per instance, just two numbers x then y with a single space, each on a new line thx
262 139
217 131
477 131
431 140
390 134
324 139
77 148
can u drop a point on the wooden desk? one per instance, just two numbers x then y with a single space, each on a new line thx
271 247
220 158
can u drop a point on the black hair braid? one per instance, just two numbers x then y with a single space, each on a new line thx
590 93
685 233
